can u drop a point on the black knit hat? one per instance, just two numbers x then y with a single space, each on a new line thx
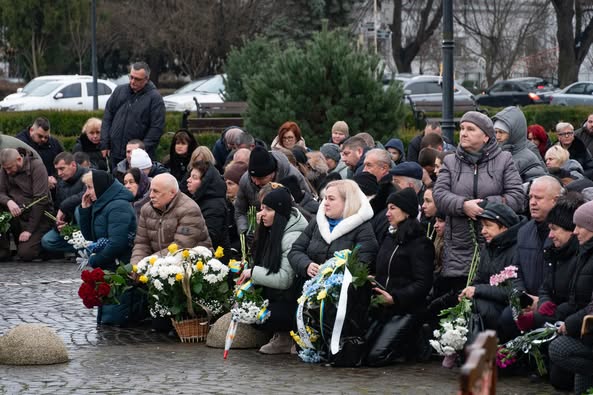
280 200
292 183
261 162
367 183
101 182
406 200
563 211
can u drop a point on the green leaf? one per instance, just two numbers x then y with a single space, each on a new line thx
223 288
197 288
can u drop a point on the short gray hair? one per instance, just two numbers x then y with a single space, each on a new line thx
8 155
383 157
142 66
561 126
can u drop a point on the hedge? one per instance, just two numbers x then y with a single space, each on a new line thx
66 125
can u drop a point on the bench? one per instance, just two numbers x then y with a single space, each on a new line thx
478 373
209 117
422 108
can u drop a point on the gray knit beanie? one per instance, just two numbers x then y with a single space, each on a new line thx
480 120
583 217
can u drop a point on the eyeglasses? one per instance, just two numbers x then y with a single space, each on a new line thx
138 79
565 134
288 138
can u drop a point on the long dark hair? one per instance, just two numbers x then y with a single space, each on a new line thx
179 164
408 229
268 240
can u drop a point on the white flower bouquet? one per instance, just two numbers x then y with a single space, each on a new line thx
184 282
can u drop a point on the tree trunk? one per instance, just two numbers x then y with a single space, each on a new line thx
34 56
568 70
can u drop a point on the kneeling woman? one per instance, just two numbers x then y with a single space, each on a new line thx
106 213
404 270
280 226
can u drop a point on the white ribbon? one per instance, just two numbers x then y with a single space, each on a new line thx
341 313
301 325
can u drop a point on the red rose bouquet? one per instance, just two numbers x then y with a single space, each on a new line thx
101 287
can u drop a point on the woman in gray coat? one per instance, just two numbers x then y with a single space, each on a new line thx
478 171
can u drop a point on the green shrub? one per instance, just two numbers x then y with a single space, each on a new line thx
326 81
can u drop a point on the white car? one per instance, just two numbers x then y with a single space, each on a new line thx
38 81
576 94
205 90
72 94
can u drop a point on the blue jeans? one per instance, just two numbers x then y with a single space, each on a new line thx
53 242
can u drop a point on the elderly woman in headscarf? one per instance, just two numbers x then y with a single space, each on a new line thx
107 217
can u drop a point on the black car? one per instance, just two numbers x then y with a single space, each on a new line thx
515 92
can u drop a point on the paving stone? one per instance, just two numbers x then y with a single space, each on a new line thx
137 360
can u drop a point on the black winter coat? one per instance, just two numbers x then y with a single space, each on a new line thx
405 264
495 256
129 116
317 244
83 144
579 152
561 264
47 151
211 197
532 240
581 288
69 193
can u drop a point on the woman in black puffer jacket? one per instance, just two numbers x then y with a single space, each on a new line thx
500 225
404 277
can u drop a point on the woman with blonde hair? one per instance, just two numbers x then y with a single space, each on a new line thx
342 222
558 157
89 142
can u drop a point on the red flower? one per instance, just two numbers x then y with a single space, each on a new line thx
103 289
97 274
86 290
86 276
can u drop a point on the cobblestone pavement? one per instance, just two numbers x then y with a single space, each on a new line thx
111 360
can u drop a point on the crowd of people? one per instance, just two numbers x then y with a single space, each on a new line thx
504 194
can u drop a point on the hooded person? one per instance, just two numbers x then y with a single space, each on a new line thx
107 218
264 167
510 126
396 149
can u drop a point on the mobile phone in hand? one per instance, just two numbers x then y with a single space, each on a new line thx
525 300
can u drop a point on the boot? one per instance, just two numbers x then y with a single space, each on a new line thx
280 343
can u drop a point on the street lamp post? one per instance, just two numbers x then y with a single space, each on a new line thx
94 54
448 45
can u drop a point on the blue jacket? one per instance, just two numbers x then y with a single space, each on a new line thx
112 217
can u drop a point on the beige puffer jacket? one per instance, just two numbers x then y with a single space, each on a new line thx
181 223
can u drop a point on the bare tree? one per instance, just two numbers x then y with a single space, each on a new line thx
78 24
414 22
499 29
575 36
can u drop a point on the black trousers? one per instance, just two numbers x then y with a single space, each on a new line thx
570 358
282 317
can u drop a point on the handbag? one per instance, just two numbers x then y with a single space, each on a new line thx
132 307
475 325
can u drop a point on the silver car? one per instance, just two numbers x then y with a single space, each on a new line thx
576 94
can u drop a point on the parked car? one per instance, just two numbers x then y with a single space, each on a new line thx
516 92
426 92
206 90
38 81
70 94
578 93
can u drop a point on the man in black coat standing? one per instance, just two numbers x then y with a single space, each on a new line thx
134 111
